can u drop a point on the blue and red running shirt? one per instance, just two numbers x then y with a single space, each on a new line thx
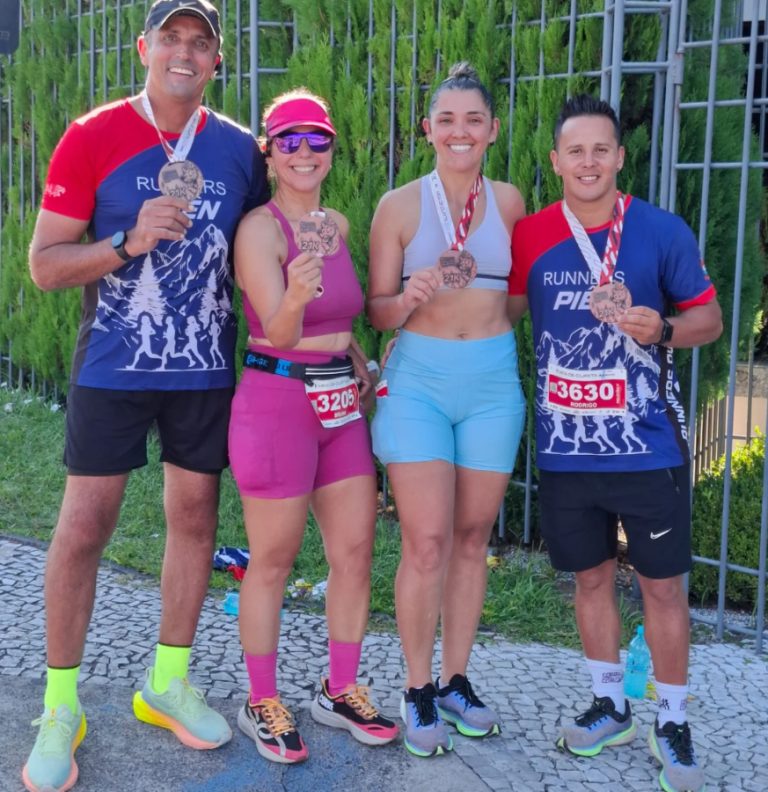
603 401
163 320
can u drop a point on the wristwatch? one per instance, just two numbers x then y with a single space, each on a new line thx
666 332
118 245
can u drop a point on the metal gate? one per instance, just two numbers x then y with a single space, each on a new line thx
684 36
744 29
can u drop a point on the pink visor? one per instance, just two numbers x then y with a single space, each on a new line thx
297 112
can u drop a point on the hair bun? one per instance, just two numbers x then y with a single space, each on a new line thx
463 77
463 69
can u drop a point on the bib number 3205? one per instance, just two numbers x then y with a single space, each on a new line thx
336 401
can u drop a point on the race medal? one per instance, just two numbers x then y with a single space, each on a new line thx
318 234
609 301
458 268
181 179
457 265
335 401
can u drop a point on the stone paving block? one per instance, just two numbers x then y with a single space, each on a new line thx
759 785
615 773
729 682
498 785
542 765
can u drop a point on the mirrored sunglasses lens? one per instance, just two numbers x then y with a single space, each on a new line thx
318 142
289 144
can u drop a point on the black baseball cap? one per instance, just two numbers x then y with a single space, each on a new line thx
162 10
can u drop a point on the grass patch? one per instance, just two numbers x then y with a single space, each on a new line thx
524 600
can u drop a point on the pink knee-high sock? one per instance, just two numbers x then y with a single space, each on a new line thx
262 673
344 658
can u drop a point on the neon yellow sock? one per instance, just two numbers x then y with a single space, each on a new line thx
170 662
61 687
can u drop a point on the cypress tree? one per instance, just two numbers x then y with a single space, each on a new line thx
50 85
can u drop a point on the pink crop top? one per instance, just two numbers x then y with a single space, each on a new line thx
342 298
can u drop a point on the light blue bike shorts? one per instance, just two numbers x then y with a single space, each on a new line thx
459 401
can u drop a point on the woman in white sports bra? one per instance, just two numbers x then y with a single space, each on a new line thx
450 409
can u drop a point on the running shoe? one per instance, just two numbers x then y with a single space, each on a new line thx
270 725
671 745
183 710
352 710
598 727
458 704
51 766
425 732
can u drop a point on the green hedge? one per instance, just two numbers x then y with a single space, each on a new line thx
747 470
49 85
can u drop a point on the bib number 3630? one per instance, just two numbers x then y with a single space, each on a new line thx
336 401
601 392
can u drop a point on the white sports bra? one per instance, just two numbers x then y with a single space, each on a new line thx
489 243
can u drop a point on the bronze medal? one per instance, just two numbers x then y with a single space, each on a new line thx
181 179
609 301
318 234
458 268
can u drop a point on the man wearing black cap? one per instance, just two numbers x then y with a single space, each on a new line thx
156 183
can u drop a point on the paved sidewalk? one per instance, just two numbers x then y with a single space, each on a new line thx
531 686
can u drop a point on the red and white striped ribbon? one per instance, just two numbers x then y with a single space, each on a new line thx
455 239
602 269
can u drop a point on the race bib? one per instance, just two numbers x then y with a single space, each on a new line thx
601 392
336 401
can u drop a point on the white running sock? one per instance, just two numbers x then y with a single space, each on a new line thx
608 680
672 701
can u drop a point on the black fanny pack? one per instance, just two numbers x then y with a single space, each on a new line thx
306 372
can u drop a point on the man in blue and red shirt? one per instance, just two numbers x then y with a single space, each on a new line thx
613 285
156 184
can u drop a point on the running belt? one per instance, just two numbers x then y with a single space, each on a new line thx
336 367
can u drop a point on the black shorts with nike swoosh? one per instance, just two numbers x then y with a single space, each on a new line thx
580 514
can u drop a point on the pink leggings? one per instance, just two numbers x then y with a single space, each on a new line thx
277 446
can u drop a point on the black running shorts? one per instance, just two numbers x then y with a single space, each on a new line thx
107 429
580 514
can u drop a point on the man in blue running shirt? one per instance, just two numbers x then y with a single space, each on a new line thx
613 285
156 184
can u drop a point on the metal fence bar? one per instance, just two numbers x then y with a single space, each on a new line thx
511 92
658 94
760 610
607 50
704 211
750 388
617 55
711 434
414 84
392 94
735 329
253 74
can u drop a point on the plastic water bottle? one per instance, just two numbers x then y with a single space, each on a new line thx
638 661
231 604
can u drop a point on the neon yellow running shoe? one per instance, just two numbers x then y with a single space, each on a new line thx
51 766
183 710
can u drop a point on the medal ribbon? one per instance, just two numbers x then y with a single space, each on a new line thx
186 139
454 238
602 271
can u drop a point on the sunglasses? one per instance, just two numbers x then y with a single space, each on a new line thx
289 142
